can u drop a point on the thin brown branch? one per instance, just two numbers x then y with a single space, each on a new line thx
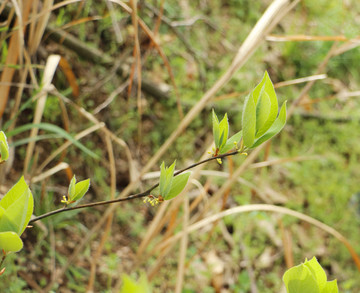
131 197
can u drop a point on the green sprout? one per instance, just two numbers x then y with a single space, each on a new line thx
223 144
76 191
170 186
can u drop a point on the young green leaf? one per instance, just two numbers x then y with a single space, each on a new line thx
80 189
17 207
275 127
331 287
308 277
10 242
71 190
130 285
178 184
249 121
266 87
166 178
262 112
14 217
224 131
4 147
299 280
216 129
231 142
317 272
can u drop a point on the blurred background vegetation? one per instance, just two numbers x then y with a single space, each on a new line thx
312 167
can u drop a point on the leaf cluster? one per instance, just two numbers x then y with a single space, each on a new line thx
260 120
76 191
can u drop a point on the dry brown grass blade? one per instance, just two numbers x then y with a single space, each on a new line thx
81 21
276 85
137 55
18 96
51 65
66 126
351 44
151 229
158 19
40 25
12 58
109 220
21 16
282 161
70 76
270 208
287 244
50 172
183 247
159 49
302 38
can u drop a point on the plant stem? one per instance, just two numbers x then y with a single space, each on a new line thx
134 196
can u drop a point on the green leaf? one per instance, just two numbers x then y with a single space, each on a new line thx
80 189
275 127
178 184
55 129
162 181
10 242
216 129
299 280
71 190
4 147
249 121
331 287
230 144
308 277
6 223
224 131
262 112
14 216
17 207
266 87
166 177
317 272
131 286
